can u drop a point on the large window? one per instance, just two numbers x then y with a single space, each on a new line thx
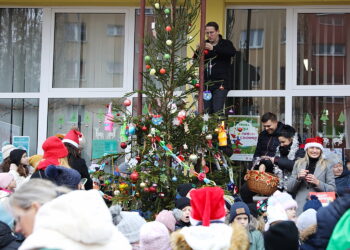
19 117
89 50
20 49
86 114
260 60
323 58
325 116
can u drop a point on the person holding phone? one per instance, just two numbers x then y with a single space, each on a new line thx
312 173
218 53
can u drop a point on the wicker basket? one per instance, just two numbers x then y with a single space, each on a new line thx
261 182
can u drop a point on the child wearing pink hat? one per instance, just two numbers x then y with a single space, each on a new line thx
7 185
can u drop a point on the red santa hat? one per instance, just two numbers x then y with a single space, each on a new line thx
207 205
72 137
314 142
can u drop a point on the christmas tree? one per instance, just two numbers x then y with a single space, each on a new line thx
170 143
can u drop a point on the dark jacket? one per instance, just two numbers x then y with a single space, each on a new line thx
39 174
268 143
286 164
342 182
80 165
327 218
218 64
282 235
8 240
180 224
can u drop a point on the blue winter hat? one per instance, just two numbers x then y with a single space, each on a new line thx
62 176
313 203
238 208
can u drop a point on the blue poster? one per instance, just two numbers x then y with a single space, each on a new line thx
102 147
21 142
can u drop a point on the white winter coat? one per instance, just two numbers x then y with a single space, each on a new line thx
77 220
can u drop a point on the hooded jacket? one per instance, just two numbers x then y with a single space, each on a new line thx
268 143
77 220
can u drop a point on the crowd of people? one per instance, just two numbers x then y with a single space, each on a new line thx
44 204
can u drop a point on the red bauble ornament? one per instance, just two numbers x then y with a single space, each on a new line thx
206 52
118 114
162 71
240 129
197 85
138 158
152 189
144 128
168 28
127 102
148 66
134 176
123 145
146 189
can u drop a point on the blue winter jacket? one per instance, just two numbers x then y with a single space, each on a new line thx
343 182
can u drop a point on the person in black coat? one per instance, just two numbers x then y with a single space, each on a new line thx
71 141
8 240
218 53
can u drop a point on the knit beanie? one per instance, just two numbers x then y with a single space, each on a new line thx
313 203
6 150
62 176
306 219
238 208
183 189
182 203
284 199
283 235
167 218
16 156
34 159
229 200
5 180
207 204
154 236
54 149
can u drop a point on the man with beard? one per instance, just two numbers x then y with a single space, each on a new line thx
286 154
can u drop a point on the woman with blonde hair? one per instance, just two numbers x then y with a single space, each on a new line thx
55 153
312 173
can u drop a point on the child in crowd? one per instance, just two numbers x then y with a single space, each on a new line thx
154 236
307 226
183 204
168 218
7 185
287 202
240 213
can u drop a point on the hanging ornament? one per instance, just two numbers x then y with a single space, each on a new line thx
134 176
176 122
168 42
138 158
123 145
116 192
207 95
108 123
127 102
185 146
153 189
157 119
147 58
174 179
222 136
146 189
324 116
144 128
167 11
161 195
231 111
132 129
197 85
307 120
148 66
181 115
166 56
162 71
168 28
341 118
123 186
206 52
156 5
152 72
142 184
194 81
221 87
193 158
123 136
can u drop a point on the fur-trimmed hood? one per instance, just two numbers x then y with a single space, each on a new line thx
214 237
305 234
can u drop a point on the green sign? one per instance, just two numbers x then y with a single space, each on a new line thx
102 147
243 133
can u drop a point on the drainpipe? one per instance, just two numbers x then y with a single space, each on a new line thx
201 62
141 52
